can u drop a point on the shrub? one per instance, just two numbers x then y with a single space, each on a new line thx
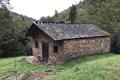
115 44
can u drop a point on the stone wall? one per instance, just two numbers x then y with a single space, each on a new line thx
78 47
68 49
54 58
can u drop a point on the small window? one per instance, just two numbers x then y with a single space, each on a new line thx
36 44
55 48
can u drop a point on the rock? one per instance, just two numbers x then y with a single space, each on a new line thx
33 59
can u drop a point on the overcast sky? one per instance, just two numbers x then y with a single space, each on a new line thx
39 8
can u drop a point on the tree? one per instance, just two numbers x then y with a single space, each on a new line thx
116 43
72 13
56 13
6 31
46 19
106 14
11 32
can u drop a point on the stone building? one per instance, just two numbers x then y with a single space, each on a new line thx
58 42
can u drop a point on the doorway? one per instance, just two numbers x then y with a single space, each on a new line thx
45 52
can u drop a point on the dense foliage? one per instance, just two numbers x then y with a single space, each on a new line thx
46 19
10 35
72 14
115 43
12 30
106 14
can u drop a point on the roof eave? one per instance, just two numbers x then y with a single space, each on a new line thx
83 37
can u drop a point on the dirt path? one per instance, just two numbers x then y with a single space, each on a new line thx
40 76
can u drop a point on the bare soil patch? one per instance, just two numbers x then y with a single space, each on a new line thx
40 76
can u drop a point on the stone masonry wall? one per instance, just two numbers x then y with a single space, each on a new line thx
68 49
55 57
78 47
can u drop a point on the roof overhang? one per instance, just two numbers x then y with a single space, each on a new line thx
34 29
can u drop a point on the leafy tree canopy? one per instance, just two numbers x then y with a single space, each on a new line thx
72 13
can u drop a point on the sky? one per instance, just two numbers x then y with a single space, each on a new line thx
39 8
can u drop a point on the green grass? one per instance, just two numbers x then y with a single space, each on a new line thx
94 67
97 67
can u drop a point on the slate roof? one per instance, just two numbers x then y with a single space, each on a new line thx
70 31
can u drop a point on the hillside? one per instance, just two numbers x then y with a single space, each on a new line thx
94 67
22 19
82 14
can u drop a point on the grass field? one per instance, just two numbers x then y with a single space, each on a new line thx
94 67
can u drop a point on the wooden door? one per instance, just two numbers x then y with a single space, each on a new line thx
45 52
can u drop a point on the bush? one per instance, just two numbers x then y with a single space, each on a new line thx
115 44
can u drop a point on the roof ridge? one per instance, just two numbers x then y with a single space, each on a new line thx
57 22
